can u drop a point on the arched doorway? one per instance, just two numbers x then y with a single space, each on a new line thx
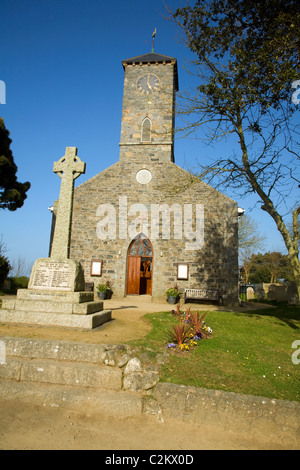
140 266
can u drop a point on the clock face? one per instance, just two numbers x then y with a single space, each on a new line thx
148 84
143 176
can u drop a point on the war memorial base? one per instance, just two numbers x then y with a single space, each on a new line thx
55 297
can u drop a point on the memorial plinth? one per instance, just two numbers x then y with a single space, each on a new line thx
55 294
55 297
63 275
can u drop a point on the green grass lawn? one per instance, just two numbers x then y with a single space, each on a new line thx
249 353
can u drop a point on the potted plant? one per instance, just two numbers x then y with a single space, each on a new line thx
172 294
102 290
109 289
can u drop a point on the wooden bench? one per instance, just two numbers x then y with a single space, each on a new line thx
202 294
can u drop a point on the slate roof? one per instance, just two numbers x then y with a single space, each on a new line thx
152 58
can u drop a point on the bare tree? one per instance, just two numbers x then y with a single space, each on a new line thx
3 246
247 56
250 240
20 267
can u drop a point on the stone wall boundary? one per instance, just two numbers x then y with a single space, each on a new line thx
272 419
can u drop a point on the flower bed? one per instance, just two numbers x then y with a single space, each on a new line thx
188 331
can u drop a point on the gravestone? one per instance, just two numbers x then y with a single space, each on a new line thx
292 295
260 293
250 293
277 293
56 292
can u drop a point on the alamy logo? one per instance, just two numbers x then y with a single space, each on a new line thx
2 92
296 354
296 94
2 352
154 221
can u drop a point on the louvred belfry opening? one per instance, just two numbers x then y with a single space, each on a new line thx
140 266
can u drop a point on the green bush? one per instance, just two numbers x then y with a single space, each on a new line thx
18 283
4 269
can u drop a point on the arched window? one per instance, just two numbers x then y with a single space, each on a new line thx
140 246
146 130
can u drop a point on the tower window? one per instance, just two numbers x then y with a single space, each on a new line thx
146 130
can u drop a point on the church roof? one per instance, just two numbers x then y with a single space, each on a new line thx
150 57
153 58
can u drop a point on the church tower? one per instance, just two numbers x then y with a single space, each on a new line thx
150 84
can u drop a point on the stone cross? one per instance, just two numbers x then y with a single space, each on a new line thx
68 168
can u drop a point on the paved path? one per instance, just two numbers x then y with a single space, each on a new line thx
127 324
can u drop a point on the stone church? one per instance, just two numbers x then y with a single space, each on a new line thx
144 224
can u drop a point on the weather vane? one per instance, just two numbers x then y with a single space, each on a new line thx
153 36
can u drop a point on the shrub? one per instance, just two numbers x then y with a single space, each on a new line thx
4 269
196 321
20 282
179 333
189 330
102 288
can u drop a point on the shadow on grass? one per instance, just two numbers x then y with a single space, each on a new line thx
288 314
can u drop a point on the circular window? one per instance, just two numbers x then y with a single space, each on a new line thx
143 176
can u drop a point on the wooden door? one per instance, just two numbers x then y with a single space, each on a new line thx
133 275
146 276
140 266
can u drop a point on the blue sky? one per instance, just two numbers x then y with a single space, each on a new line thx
61 63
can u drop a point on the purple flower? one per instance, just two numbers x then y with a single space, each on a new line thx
171 345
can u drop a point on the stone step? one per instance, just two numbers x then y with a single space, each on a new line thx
78 399
56 296
54 349
55 319
65 374
47 306
74 374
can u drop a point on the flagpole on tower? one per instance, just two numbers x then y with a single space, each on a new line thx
153 36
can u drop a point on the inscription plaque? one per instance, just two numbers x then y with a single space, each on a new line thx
52 275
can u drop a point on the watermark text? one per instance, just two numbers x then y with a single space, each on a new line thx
296 354
154 221
2 92
2 352
296 94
